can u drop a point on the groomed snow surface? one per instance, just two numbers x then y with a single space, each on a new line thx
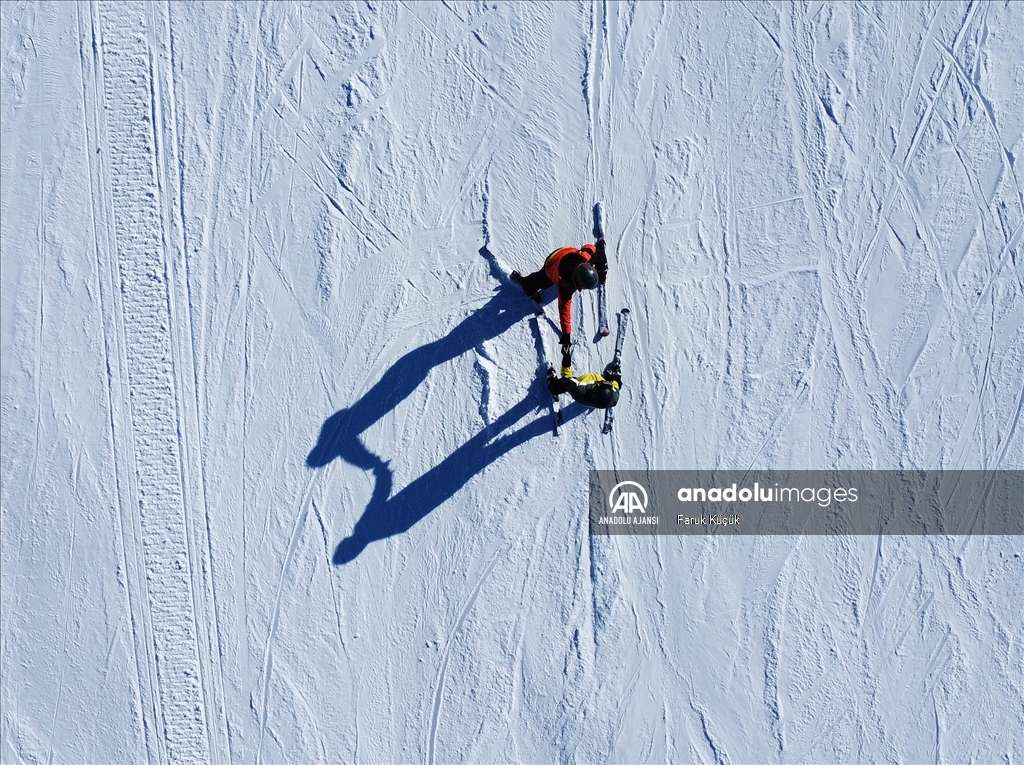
278 477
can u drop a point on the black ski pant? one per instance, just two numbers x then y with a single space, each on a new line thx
536 282
583 394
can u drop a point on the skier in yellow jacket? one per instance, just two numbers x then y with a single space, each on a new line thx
598 391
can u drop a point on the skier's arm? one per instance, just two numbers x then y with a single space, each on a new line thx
565 311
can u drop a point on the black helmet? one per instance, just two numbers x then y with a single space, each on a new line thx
585 276
605 396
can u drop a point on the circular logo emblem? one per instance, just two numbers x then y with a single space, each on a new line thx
628 501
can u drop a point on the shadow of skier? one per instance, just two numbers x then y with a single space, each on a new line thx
388 515
340 434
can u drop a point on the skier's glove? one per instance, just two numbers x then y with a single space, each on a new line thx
566 357
564 341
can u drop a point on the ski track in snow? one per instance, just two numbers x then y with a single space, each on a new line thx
224 226
152 430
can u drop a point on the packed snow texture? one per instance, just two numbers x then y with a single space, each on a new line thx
278 478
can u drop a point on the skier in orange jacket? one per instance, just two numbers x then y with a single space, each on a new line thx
571 269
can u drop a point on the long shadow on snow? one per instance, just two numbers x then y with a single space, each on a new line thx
388 515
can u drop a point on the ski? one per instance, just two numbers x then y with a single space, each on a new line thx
620 337
602 298
556 402
609 418
578 336
602 312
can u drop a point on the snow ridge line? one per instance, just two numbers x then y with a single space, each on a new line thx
154 409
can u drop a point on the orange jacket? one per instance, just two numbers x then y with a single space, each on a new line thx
559 267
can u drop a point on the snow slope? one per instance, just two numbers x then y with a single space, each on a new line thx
278 483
